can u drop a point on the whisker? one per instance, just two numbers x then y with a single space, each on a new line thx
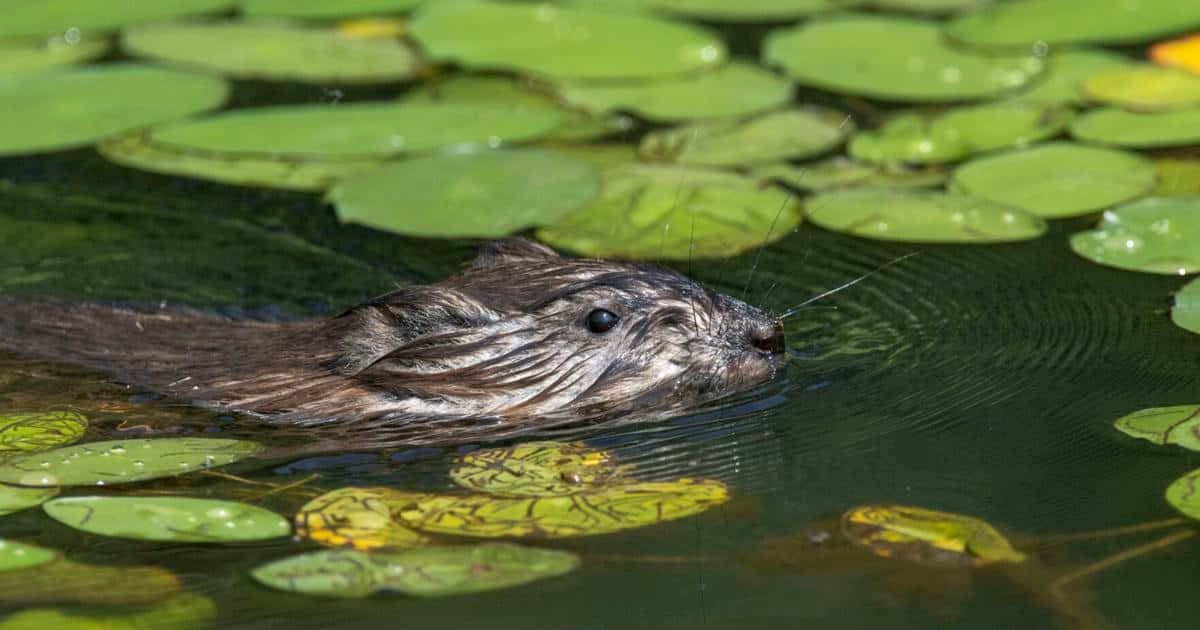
794 309
758 255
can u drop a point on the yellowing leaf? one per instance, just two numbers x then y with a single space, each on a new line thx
927 536
361 518
534 469
1183 53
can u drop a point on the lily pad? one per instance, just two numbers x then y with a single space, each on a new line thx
908 139
726 11
927 536
75 107
603 511
360 518
39 431
15 555
62 581
1145 88
735 89
36 55
1027 22
424 572
324 9
537 469
1060 83
652 212
1184 494
1181 53
1058 179
562 42
168 518
927 7
1186 312
1154 235
843 54
16 498
1112 126
185 611
483 194
1002 125
123 461
840 172
356 130
1164 425
921 216
36 18
276 51
1178 175
770 137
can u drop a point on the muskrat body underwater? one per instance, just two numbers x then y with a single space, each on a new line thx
523 337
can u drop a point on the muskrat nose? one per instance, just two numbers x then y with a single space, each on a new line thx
768 339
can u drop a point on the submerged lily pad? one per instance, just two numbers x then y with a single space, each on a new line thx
35 18
652 212
185 611
1155 235
908 139
537 469
66 582
1109 125
921 216
123 461
15 555
39 431
37 55
168 518
483 194
1056 180
1164 425
324 9
1186 312
840 172
1027 22
15 498
1145 87
927 536
770 137
562 42
606 510
1184 494
360 518
1062 80
356 130
277 51
843 54
75 107
735 89
424 572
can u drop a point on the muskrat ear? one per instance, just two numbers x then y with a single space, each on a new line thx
510 250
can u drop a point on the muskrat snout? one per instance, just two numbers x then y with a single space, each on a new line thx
768 339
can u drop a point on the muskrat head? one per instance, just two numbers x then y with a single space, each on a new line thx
525 332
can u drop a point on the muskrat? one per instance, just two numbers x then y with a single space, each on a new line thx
523 337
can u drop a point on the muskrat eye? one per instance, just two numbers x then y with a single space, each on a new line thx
600 320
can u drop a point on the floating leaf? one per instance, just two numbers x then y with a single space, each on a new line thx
424 572
842 53
1060 82
484 194
66 582
35 18
356 130
537 469
726 11
1058 179
15 498
611 509
1154 235
1178 176
1182 53
927 536
735 89
75 107
185 611
123 461
324 9
1109 125
1184 494
1001 125
1186 312
562 42
921 216
277 51
929 7
840 172
770 137
1145 87
1027 22
168 518
39 431
653 212
359 517
908 139
15 555
1164 425
38 55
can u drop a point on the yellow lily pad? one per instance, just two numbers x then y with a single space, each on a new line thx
1145 87
1184 494
927 536
1179 424
537 469
362 518
40 431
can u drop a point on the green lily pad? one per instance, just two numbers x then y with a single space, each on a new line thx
39 431
1002 125
1112 126
1058 179
359 517
16 498
75 107
62 581
652 212
1184 494
424 572
1155 235
735 89
1027 22
35 18
537 469
921 216
1061 81
927 7
33 55
168 518
185 611
135 150
779 135
1186 312
726 11
276 51
15 555
1145 87
927 536
840 172
324 9
123 461
908 139
484 194
843 54
1164 425
356 130
562 42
